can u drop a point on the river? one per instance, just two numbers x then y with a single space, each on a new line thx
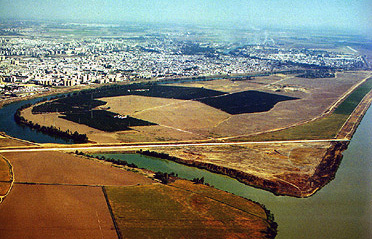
341 210
8 125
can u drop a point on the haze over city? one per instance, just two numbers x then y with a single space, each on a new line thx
185 119
317 14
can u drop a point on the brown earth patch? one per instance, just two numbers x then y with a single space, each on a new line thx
63 168
50 211
6 177
6 141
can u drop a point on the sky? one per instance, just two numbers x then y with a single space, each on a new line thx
336 14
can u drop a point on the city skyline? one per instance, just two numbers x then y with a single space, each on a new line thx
316 14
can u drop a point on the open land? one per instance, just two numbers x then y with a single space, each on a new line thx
6 178
193 211
179 119
319 109
60 195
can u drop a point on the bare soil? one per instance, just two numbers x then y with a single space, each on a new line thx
6 141
50 211
6 177
63 168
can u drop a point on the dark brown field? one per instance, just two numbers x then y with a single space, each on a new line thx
59 195
62 168
56 196
55 211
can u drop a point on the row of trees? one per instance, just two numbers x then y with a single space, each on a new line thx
111 160
158 155
49 130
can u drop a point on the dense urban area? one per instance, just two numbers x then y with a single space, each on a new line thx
36 56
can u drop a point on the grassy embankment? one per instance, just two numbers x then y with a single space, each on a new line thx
186 210
323 128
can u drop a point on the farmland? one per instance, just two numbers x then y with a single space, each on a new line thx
57 195
105 120
186 210
67 195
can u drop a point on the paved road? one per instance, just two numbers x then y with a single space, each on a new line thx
134 146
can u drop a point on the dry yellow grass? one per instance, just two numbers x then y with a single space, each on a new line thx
184 115
191 120
262 160
185 210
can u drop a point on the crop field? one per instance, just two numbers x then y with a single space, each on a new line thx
58 195
62 168
55 211
185 210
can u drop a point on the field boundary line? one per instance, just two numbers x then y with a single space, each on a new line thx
71 184
111 213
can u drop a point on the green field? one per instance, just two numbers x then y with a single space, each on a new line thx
186 210
324 128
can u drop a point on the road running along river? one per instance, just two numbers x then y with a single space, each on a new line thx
340 210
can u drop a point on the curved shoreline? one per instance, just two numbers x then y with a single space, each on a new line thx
11 181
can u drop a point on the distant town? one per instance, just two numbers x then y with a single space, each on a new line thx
35 57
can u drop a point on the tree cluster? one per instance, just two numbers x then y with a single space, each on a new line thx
165 178
49 130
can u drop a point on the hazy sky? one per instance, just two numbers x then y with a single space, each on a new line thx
344 14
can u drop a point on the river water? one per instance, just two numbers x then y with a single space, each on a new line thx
341 210
8 125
